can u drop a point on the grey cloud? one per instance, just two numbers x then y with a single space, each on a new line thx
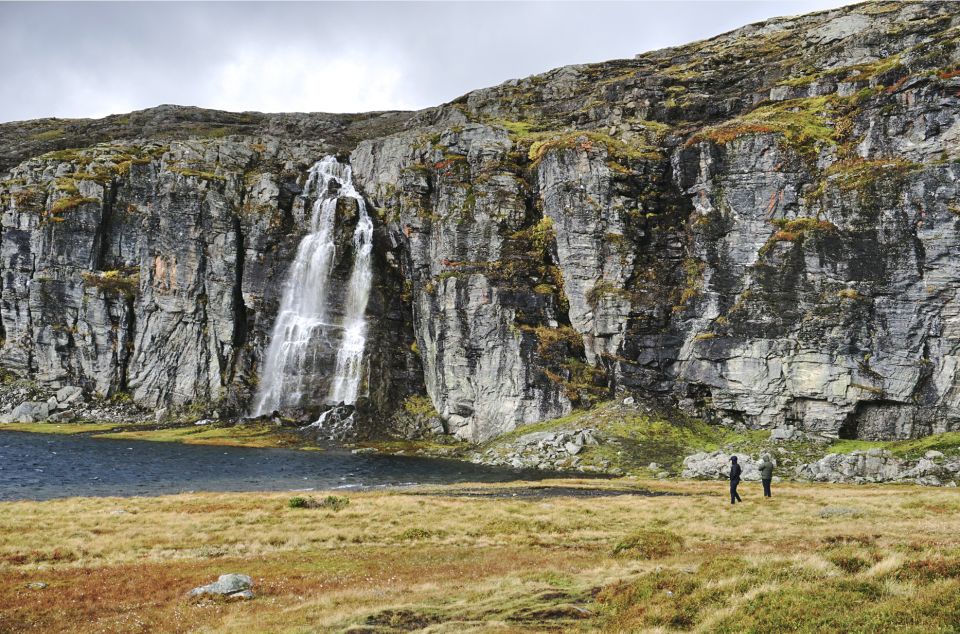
91 59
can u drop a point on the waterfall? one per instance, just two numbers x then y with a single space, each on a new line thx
303 326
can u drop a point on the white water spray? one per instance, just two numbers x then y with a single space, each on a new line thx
302 325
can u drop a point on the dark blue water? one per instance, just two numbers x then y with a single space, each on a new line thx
41 466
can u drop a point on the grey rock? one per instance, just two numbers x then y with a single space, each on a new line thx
782 433
30 412
226 584
69 394
716 465
36 585
244 595
839 511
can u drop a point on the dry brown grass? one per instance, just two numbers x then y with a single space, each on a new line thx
391 561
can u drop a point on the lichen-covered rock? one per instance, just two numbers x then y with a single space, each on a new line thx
716 466
233 585
876 465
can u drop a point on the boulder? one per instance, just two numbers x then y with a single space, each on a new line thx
782 433
30 412
226 585
69 394
716 466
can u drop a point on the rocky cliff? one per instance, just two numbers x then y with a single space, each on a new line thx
758 228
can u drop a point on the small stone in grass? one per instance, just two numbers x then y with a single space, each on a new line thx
228 584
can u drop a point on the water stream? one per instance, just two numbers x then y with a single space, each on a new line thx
304 328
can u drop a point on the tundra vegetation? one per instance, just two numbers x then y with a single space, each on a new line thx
813 558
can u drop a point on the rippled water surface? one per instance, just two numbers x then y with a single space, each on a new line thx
41 466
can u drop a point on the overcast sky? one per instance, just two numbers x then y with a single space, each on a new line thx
93 59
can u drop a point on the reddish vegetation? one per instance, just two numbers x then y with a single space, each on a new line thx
785 236
727 133
151 597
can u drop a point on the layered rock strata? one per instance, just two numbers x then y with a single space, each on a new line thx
759 228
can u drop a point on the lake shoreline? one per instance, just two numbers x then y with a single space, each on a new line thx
45 466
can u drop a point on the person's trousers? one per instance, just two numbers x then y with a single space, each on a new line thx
734 496
766 488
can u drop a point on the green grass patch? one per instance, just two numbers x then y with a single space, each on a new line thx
640 439
947 443
544 143
648 544
63 429
48 135
71 202
419 405
806 125
233 436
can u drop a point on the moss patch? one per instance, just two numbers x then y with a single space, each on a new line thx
234 436
60 429
947 443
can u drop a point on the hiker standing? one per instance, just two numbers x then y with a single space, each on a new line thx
766 473
735 471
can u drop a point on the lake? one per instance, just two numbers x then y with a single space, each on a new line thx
42 466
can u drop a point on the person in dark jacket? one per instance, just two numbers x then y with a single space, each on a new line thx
735 472
766 473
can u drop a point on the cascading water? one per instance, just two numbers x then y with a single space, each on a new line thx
302 325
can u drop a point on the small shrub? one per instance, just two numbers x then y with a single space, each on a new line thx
331 502
114 282
334 503
413 534
848 560
785 236
931 569
949 74
418 405
298 502
648 544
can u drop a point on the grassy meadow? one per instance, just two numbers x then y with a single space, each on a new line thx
453 559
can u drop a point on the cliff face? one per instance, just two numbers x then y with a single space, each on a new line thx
156 269
757 228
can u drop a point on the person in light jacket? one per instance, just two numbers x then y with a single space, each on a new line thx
735 471
766 473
